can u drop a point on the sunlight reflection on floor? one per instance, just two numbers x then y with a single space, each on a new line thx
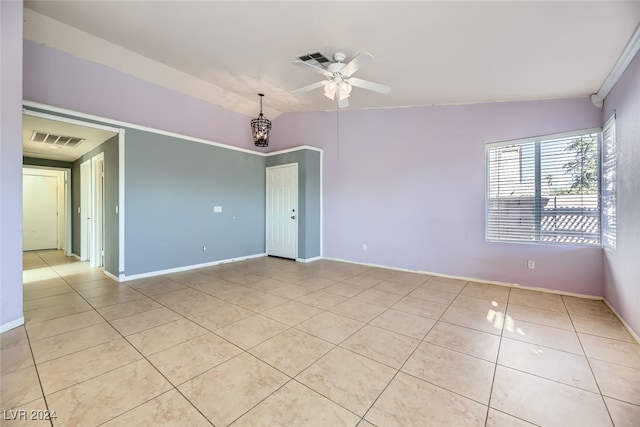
499 319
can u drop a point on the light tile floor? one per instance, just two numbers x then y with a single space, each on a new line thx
277 343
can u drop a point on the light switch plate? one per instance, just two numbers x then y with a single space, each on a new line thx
217 209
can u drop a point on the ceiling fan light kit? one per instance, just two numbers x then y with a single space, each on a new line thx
337 87
339 83
261 128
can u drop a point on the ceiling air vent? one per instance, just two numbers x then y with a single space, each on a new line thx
56 140
315 58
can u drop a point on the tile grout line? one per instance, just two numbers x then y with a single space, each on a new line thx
244 351
346 349
554 381
263 361
144 357
514 339
35 365
247 351
225 339
525 372
111 370
321 356
595 379
411 355
495 366
326 397
151 363
299 275
261 400
144 403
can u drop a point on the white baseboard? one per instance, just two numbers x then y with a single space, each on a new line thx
113 276
189 267
11 325
308 259
510 285
627 327
471 279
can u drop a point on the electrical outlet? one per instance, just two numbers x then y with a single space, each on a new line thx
364 247
204 249
531 264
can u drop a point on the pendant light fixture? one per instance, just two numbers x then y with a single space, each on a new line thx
261 128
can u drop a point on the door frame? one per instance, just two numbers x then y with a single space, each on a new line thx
85 210
57 114
297 210
68 211
97 211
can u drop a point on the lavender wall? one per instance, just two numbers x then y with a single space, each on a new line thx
11 164
622 267
57 78
410 184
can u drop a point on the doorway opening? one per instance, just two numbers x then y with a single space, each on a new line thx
52 141
46 209
92 225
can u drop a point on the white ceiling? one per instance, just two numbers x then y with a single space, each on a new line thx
92 138
428 52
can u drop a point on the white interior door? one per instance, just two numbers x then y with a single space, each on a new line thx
282 211
85 210
40 212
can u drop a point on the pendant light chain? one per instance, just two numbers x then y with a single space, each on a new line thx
337 132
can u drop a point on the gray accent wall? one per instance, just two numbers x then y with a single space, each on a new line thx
172 186
110 148
308 197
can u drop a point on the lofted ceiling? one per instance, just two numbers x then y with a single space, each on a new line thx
430 53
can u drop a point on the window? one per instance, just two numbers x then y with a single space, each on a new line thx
545 189
609 184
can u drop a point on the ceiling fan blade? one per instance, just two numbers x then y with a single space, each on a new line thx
314 68
343 103
356 63
309 87
366 84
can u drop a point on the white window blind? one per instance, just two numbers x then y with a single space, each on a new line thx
609 184
544 190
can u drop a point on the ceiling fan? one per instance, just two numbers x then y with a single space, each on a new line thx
338 82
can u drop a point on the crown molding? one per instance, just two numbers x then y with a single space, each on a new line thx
627 55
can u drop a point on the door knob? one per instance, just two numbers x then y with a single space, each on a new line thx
293 217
